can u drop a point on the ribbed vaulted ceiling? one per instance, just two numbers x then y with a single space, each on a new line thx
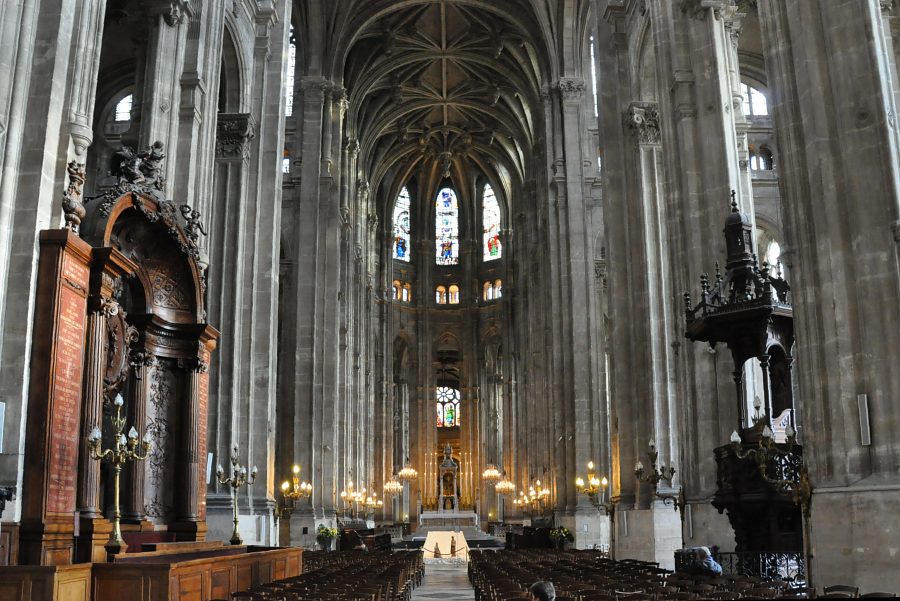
448 83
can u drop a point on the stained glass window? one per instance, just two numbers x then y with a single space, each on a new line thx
401 226
289 83
453 294
490 214
447 407
447 228
440 295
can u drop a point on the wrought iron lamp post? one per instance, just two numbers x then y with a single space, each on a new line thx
237 479
653 478
124 449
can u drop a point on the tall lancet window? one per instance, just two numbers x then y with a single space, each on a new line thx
289 80
447 227
447 407
401 226
490 223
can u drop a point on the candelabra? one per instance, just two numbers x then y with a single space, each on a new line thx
237 479
124 449
291 492
353 498
595 488
653 478
766 453
655 474
394 488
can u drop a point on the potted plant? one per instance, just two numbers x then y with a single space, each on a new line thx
325 536
560 536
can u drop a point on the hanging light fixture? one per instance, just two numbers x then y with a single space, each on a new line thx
505 486
491 474
393 486
408 473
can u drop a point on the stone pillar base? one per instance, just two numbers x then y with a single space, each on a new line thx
303 525
648 534
854 538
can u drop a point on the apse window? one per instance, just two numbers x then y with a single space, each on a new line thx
440 295
446 228
447 407
754 101
401 227
286 162
492 290
453 294
490 215
123 109
401 291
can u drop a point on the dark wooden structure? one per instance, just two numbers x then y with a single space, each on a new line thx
748 308
119 310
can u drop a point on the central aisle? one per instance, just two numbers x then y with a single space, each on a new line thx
443 581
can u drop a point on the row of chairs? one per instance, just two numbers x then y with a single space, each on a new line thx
751 587
577 575
591 576
346 576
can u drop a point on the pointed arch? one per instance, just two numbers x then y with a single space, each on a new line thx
490 224
446 218
402 245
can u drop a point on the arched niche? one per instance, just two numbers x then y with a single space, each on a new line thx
165 385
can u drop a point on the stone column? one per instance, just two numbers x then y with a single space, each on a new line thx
840 173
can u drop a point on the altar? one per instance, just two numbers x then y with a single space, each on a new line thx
449 518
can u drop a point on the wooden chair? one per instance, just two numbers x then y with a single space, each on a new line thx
851 591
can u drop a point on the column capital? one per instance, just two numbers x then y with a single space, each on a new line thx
570 89
234 132
642 118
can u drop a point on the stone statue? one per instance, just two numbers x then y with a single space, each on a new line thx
452 546
437 551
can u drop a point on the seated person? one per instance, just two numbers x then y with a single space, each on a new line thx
543 590
704 564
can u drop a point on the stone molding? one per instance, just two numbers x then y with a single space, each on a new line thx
642 118
234 132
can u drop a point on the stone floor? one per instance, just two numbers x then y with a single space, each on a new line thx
443 581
